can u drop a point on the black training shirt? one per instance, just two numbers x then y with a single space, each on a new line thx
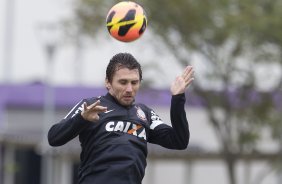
114 149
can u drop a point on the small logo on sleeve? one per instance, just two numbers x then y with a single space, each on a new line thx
156 120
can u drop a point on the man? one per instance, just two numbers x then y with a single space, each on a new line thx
114 130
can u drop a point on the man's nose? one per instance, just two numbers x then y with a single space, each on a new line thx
129 88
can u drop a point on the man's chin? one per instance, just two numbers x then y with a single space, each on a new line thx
127 102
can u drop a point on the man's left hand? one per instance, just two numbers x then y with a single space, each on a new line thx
181 82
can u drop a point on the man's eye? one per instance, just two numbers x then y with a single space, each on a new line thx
123 82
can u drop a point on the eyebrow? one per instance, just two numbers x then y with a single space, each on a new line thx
128 80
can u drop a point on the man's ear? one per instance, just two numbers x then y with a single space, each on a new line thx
107 84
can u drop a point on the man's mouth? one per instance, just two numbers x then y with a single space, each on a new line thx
127 97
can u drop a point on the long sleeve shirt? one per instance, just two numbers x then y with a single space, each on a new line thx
114 149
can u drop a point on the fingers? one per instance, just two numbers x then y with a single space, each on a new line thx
95 107
94 104
187 70
100 109
188 75
183 81
91 112
84 106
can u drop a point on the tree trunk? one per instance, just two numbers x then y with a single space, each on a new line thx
230 163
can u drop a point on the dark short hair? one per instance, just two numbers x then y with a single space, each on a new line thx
122 60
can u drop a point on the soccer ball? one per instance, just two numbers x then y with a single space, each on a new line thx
126 21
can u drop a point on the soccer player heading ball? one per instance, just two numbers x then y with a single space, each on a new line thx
114 129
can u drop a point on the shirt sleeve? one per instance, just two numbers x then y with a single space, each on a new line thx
175 136
69 127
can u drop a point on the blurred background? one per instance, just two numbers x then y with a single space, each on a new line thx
54 53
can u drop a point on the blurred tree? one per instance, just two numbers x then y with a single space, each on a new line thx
233 40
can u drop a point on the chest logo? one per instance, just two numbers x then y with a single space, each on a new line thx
126 127
140 114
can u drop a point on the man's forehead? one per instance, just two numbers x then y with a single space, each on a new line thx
126 73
